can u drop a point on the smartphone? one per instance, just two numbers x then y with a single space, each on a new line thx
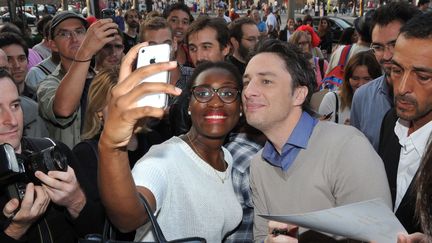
149 55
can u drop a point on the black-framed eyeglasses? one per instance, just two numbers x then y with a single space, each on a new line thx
204 94
379 49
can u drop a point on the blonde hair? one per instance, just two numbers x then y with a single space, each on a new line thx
97 99
297 35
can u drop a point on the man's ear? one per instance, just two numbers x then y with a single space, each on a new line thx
300 95
235 44
226 49
53 46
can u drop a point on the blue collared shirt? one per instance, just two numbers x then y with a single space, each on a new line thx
369 106
297 141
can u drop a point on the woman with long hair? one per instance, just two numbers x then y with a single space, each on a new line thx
326 36
361 68
186 179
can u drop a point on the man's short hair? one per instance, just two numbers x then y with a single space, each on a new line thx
155 23
235 27
394 11
419 27
9 38
178 6
216 24
296 64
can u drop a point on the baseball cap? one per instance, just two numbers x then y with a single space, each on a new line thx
62 16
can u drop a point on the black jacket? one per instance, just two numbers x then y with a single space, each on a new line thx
62 228
389 151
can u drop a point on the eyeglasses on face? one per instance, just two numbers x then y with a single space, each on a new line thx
204 94
379 49
67 34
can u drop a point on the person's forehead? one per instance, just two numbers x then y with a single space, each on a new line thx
207 34
223 76
250 30
13 50
180 14
160 35
117 39
387 32
274 64
9 91
413 52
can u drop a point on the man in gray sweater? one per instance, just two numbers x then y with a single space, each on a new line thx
306 164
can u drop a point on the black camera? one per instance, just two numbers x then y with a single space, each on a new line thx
16 170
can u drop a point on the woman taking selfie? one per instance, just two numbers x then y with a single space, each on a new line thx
186 180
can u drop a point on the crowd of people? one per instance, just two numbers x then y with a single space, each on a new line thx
259 119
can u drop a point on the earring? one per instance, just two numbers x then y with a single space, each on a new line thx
189 113
241 114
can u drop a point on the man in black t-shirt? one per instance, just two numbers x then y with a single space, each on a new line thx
244 34
130 36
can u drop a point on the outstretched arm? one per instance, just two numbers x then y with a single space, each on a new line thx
117 188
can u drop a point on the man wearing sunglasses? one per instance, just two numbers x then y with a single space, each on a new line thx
372 100
62 96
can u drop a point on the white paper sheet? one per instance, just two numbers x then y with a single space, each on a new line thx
365 221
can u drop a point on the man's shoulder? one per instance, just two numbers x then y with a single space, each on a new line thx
329 133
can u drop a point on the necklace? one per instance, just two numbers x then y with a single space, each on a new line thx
214 170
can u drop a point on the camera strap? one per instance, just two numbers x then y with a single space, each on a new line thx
45 233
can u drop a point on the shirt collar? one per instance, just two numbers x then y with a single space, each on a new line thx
419 138
298 139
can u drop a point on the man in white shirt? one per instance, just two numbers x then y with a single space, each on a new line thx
406 129
271 22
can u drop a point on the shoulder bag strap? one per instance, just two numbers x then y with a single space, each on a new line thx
337 108
44 69
158 235
344 55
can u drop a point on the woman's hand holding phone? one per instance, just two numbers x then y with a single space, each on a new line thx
123 111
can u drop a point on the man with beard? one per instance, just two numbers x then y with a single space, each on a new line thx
372 100
244 34
208 40
406 129
62 96
130 36
179 18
